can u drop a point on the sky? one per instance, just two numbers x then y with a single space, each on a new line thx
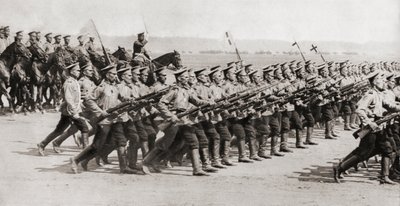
358 21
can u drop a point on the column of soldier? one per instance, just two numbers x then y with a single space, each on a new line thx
209 110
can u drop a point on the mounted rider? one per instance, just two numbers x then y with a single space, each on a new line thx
140 54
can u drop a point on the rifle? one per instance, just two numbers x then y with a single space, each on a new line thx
362 132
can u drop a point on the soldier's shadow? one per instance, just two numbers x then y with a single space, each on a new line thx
65 168
34 152
324 174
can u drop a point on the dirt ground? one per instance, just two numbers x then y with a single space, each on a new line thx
301 178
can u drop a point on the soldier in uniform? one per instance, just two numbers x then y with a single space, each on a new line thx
179 98
81 47
66 46
87 87
346 107
370 108
105 96
70 109
39 39
48 46
89 45
32 39
138 46
57 42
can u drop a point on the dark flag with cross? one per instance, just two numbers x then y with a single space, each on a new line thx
315 49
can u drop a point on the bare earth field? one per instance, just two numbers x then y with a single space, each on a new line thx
300 178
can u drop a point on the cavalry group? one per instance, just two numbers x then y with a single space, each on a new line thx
128 106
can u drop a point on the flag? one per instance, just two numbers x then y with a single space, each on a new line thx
294 43
88 29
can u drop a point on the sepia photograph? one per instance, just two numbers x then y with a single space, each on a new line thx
199 102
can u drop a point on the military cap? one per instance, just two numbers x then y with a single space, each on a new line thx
141 33
19 32
200 71
124 68
57 36
215 67
212 72
372 76
230 63
32 32
248 65
238 61
108 68
283 64
67 36
161 71
241 72
390 77
298 69
268 69
227 69
251 73
180 72
321 66
80 37
311 79
86 66
292 62
308 62
135 70
48 34
6 27
74 65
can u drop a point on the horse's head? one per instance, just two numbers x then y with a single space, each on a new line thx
38 53
122 54
177 61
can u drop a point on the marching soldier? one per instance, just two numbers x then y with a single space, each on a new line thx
179 98
370 108
70 109
48 46
105 96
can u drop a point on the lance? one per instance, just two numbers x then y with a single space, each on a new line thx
145 27
108 61
302 55
315 48
231 42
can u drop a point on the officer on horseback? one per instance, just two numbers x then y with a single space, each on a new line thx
48 47
139 52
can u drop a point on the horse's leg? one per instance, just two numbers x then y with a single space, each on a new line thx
40 98
3 90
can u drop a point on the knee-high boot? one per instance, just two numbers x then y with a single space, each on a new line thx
214 146
194 157
86 155
309 134
328 133
242 152
253 149
284 145
385 165
124 169
275 147
205 160
347 122
299 141
262 150
225 157
345 165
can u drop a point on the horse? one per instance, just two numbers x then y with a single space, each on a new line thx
10 56
172 58
37 73
122 54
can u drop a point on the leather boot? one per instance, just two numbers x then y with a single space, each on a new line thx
144 146
124 169
195 159
226 149
103 154
284 147
299 141
85 140
328 134
347 123
333 133
253 149
385 165
242 152
206 161
40 147
309 133
275 146
149 160
85 156
262 148
132 156
343 166
214 153
353 121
